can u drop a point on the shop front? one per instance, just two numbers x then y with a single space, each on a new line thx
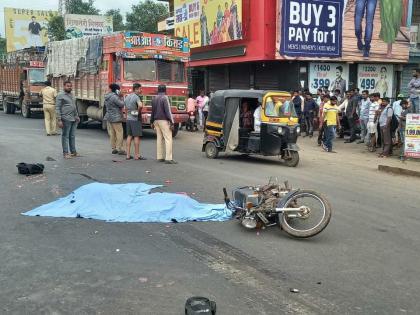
290 44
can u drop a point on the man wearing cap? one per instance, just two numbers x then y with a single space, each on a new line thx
163 122
114 118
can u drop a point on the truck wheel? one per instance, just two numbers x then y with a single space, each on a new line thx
175 131
6 106
293 160
25 110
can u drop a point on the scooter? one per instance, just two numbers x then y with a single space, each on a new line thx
191 124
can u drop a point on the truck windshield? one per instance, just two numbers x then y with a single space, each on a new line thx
36 76
170 71
140 69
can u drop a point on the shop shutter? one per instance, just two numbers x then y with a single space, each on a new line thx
407 75
217 78
239 76
267 76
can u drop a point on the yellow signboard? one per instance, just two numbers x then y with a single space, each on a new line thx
26 27
208 22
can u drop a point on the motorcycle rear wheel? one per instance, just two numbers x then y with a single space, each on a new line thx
311 225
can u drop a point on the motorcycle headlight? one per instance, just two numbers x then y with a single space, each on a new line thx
280 130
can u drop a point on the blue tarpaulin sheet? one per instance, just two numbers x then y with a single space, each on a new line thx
130 203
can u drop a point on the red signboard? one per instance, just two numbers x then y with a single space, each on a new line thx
36 64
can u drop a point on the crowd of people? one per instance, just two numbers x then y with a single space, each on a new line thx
363 116
60 110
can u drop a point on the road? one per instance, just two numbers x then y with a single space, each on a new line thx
365 262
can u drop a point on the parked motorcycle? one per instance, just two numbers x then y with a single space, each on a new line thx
300 213
191 124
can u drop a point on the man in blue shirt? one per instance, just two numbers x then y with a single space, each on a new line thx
309 108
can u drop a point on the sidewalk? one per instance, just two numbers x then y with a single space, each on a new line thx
357 155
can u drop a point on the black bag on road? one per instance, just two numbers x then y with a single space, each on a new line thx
30 169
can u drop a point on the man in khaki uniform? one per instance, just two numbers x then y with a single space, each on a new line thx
49 95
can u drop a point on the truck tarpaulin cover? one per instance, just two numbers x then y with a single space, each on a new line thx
75 55
130 203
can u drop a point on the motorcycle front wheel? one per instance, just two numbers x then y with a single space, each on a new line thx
311 223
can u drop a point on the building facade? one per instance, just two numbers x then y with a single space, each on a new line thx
289 44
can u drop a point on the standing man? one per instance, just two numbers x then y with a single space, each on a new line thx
403 119
372 122
364 115
114 117
364 8
332 122
385 124
309 109
68 118
298 102
397 108
339 83
350 115
201 101
414 87
133 106
34 29
322 123
49 95
163 122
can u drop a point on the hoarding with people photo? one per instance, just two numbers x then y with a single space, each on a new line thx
347 30
376 78
26 28
207 22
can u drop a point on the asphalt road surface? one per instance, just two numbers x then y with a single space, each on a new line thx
367 261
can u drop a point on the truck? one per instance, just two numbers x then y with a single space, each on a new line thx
22 76
93 63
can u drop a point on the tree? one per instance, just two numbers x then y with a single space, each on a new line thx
81 7
56 29
145 16
117 19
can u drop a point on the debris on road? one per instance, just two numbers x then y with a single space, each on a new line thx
30 169
50 159
294 290
117 250
168 181
143 279
148 172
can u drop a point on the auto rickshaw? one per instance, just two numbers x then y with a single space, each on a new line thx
225 129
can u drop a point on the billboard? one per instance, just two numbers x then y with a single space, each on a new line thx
333 76
78 25
344 30
208 22
26 27
376 78
412 136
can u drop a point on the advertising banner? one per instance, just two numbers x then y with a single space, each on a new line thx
311 28
376 78
78 25
208 22
159 46
333 76
26 28
412 136
345 30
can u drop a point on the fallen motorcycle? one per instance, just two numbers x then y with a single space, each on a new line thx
300 213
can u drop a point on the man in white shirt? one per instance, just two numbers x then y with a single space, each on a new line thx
372 122
397 109
257 119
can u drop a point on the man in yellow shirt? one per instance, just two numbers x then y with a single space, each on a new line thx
330 114
48 95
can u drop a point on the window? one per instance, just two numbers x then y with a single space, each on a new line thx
170 71
278 108
36 76
140 69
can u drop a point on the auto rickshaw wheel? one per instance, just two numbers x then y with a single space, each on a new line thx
211 150
293 159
